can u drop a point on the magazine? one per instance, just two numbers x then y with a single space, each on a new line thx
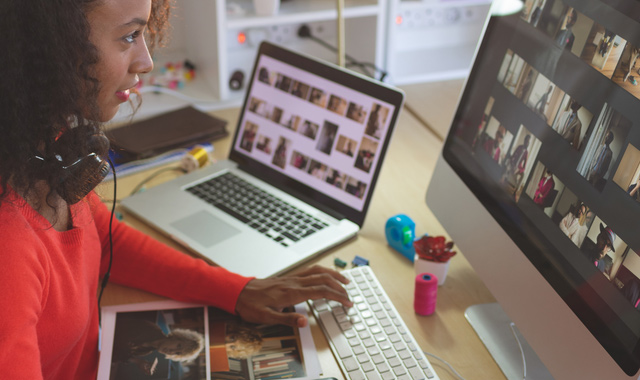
180 341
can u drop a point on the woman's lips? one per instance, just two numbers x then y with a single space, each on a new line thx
123 95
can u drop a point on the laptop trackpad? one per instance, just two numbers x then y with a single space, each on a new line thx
205 228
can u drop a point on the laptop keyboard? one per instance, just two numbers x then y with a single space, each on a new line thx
260 210
370 340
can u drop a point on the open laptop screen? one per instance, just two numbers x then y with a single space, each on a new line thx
323 127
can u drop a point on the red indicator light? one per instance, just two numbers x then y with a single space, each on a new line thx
242 38
398 20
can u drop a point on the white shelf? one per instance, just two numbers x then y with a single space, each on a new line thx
298 11
434 39
442 3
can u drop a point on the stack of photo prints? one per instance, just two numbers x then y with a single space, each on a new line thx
311 128
178 341
558 132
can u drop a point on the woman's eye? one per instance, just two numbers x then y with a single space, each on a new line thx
131 38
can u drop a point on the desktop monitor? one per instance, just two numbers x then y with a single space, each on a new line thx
538 180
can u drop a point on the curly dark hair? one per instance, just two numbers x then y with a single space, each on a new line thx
48 86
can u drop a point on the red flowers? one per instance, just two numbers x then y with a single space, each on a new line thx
434 248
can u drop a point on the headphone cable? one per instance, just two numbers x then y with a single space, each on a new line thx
105 279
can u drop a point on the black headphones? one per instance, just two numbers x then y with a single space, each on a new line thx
79 175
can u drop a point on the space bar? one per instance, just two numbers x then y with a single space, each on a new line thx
229 211
334 333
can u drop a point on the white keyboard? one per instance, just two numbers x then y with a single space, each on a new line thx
370 340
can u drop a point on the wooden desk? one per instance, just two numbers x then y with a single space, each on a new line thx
401 189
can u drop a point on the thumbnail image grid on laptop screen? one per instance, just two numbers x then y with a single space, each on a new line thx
314 130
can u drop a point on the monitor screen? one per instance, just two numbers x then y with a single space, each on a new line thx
547 137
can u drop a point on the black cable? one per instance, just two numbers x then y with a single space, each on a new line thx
105 279
305 32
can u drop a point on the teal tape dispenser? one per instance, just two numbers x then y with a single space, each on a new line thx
400 231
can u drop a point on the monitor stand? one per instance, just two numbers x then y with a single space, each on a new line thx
493 326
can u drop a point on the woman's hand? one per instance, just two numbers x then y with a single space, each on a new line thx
263 300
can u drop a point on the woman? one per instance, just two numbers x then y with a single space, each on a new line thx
68 65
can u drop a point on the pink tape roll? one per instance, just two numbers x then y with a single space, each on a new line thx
426 293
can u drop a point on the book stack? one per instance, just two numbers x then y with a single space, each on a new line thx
278 362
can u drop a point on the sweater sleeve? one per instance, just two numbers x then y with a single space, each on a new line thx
144 263
23 290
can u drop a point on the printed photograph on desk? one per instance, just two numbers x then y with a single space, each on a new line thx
155 340
241 350
181 341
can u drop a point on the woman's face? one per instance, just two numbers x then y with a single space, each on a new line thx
117 28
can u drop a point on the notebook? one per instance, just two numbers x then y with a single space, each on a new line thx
306 155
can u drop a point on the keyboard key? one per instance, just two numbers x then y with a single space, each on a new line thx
417 374
383 367
335 334
368 367
409 363
358 350
399 370
350 364
395 362
362 358
373 350
388 376
377 359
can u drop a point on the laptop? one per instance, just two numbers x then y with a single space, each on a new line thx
304 161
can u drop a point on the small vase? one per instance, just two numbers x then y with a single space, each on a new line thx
438 269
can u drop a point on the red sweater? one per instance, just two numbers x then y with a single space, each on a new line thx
49 282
